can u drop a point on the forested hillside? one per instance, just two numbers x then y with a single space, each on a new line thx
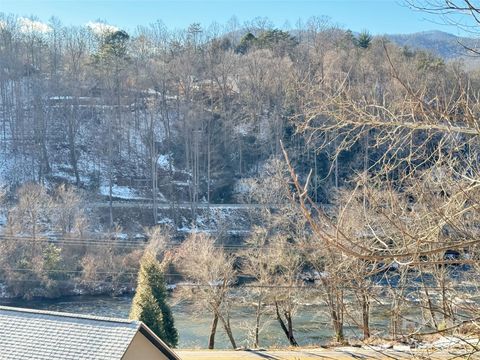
173 116
445 45
185 113
356 162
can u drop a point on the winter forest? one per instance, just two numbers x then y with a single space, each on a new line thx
242 166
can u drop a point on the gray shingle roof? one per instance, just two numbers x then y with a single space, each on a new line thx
32 334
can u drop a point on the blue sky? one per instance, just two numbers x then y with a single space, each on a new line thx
376 16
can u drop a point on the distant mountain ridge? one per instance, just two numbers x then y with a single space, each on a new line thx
445 45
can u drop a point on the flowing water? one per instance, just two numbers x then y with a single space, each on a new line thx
311 325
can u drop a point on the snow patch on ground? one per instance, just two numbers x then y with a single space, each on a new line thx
181 183
163 162
120 192
121 236
13 169
165 221
449 342
217 220
66 173
161 197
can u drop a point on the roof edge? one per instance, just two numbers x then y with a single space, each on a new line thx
157 342
69 315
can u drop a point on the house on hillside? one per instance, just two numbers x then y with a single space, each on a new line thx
34 334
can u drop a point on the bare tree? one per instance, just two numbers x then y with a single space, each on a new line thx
259 265
68 213
32 212
211 273
417 115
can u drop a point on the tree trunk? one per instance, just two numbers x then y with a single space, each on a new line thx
335 304
430 304
257 323
213 331
154 190
337 326
366 316
365 167
154 160
228 330
110 172
287 330
292 340
71 142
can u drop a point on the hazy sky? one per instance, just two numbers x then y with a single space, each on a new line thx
376 16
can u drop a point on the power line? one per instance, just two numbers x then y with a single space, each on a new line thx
119 241
213 283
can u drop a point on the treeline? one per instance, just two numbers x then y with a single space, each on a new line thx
183 114
49 248
411 286
387 136
399 292
398 264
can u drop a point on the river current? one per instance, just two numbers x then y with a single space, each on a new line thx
310 322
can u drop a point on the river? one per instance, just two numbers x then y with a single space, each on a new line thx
310 323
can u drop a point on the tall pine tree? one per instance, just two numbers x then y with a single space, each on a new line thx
364 39
150 301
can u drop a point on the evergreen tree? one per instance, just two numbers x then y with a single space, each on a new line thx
272 38
150 313
364 39
247 41
150 302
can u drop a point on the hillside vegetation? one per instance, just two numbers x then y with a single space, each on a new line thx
360 157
